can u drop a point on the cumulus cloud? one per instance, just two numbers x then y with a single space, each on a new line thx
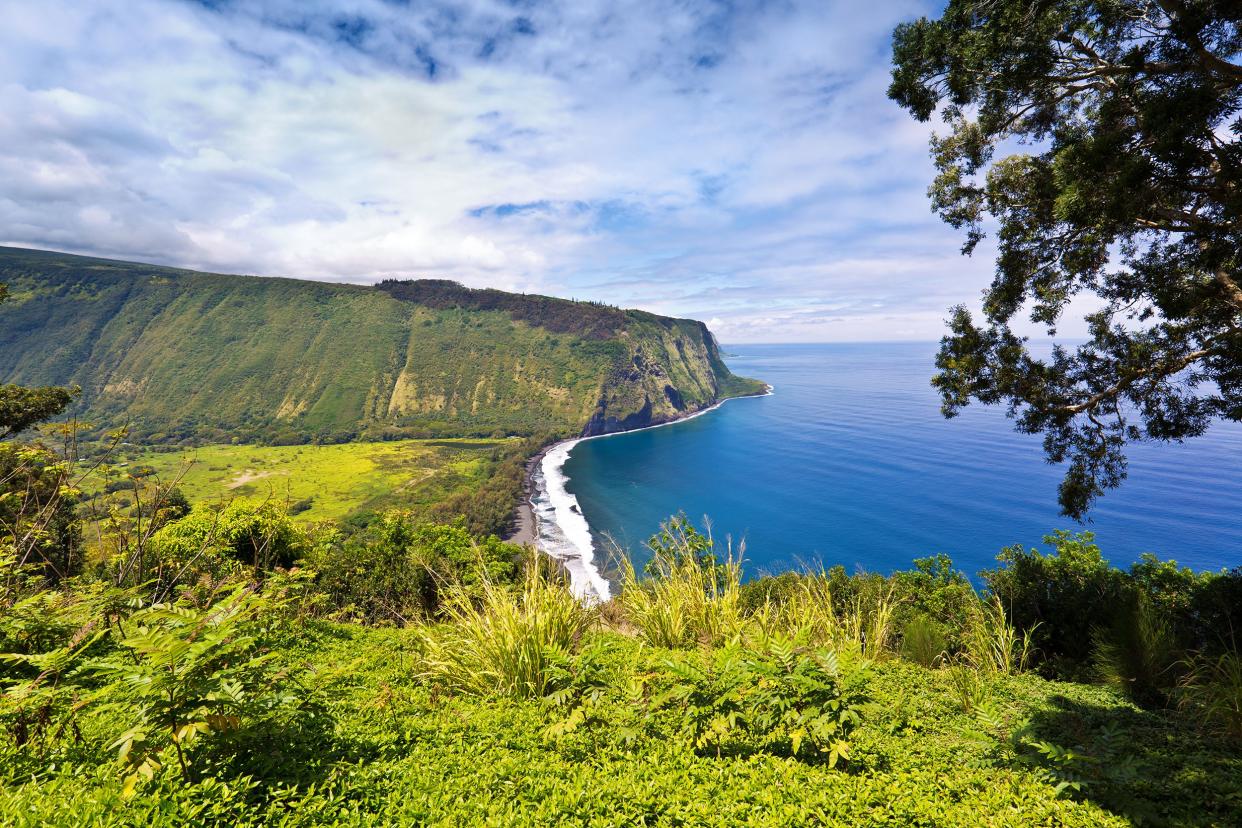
735 162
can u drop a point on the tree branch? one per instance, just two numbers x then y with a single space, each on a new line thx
1112 392
1233 293
1212 62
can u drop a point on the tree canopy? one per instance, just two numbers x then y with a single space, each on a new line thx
1125 184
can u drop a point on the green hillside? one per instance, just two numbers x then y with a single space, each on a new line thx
209 357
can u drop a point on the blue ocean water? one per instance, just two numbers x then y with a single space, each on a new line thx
850 462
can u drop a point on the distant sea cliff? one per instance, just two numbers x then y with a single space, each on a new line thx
189 356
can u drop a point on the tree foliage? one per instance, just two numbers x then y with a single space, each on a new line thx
22 407
1128 188
39 530
397 570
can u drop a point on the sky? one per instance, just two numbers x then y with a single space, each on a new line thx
733 162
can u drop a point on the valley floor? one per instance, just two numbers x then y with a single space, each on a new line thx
327 482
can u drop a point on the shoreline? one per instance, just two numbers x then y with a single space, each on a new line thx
578 562
524 532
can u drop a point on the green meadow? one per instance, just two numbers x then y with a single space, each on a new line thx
326 482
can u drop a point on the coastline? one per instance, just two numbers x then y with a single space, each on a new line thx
548 516
523 531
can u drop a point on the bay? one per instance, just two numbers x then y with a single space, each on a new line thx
850 462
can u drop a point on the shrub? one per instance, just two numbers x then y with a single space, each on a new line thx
783 699
182 674
680 543
456 557
1216 609
769 590
43 637
395 570
1058 598
219 542
375 576
933 589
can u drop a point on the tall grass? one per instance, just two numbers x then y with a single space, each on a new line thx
1137 654
504 641
923 641
1212 688
969 685
862 626
993 645
684 603
993 648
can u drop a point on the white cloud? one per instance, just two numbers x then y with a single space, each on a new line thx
734 163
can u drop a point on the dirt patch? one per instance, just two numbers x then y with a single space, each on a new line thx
249 476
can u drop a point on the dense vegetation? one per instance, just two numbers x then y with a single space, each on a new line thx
1127 190
469 687
585 319
224 664
198 358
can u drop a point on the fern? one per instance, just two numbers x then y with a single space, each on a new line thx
784 699
181 674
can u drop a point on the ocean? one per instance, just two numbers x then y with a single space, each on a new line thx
850 462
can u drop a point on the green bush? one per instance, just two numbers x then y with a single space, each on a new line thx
219 542
179 675
1059 598
933 589
396 569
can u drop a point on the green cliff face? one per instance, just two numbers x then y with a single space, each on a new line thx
181 354
672 368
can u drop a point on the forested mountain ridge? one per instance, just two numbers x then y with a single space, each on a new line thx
189 355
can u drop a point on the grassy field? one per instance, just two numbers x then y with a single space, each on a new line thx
324 482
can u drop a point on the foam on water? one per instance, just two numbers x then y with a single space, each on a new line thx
562 531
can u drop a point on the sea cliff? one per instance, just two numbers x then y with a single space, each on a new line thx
188 356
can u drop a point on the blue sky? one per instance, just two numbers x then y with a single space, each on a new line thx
735 162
